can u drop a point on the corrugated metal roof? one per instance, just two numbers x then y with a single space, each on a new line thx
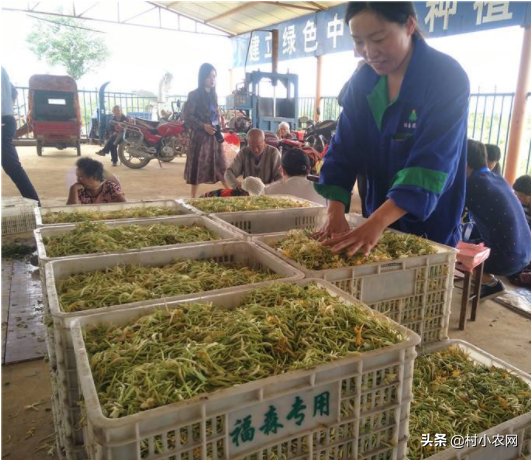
237 18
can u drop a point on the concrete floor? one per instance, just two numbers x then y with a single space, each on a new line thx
23 330
54 172
27 432
497 330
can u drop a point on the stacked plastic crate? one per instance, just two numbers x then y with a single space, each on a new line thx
366 397
415 292
18 215
66 396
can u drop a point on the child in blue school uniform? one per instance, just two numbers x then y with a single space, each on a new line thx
403 126
499 219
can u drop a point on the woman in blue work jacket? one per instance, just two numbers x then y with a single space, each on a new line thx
403 125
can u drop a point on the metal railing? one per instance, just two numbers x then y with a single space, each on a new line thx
489 121
489 115
306 107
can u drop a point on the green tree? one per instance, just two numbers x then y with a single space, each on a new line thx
64 42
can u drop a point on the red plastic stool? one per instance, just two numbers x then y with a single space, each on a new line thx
470 261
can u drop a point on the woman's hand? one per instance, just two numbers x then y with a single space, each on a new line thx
362 238
73 194
335 224
210 130
366 236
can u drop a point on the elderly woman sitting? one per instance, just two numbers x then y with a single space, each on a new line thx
94 185
284 132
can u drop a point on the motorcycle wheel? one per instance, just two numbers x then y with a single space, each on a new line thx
129 160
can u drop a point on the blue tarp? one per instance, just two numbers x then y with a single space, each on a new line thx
325 32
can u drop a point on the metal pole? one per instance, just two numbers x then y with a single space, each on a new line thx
507 134
517 123
316 109
483 119
25 99
475 114
274 50
500 123
274 62
492 115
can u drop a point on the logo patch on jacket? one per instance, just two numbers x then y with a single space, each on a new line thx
411 123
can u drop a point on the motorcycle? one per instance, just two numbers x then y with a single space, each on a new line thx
313 141
318 135
140 142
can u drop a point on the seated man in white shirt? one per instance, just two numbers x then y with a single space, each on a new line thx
295 168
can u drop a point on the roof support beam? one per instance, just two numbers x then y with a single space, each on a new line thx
179 14
109 21
139 14
293 5
88 9
319 7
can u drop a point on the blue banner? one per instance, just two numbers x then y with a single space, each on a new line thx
325 32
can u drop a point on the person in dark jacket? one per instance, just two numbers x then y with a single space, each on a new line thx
493 158
403 125
499 219
205 159
111 134
10 161
522 190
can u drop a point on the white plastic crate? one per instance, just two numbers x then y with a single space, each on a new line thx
224 233
520 426
310 204
172 204
239 252
254 224
62 351
362 421
415 292
67 423
18 215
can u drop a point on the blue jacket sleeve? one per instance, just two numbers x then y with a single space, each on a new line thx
438 146
341 162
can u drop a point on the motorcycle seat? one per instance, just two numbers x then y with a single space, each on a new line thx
291 142
153 131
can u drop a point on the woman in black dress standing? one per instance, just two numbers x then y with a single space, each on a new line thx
205 160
